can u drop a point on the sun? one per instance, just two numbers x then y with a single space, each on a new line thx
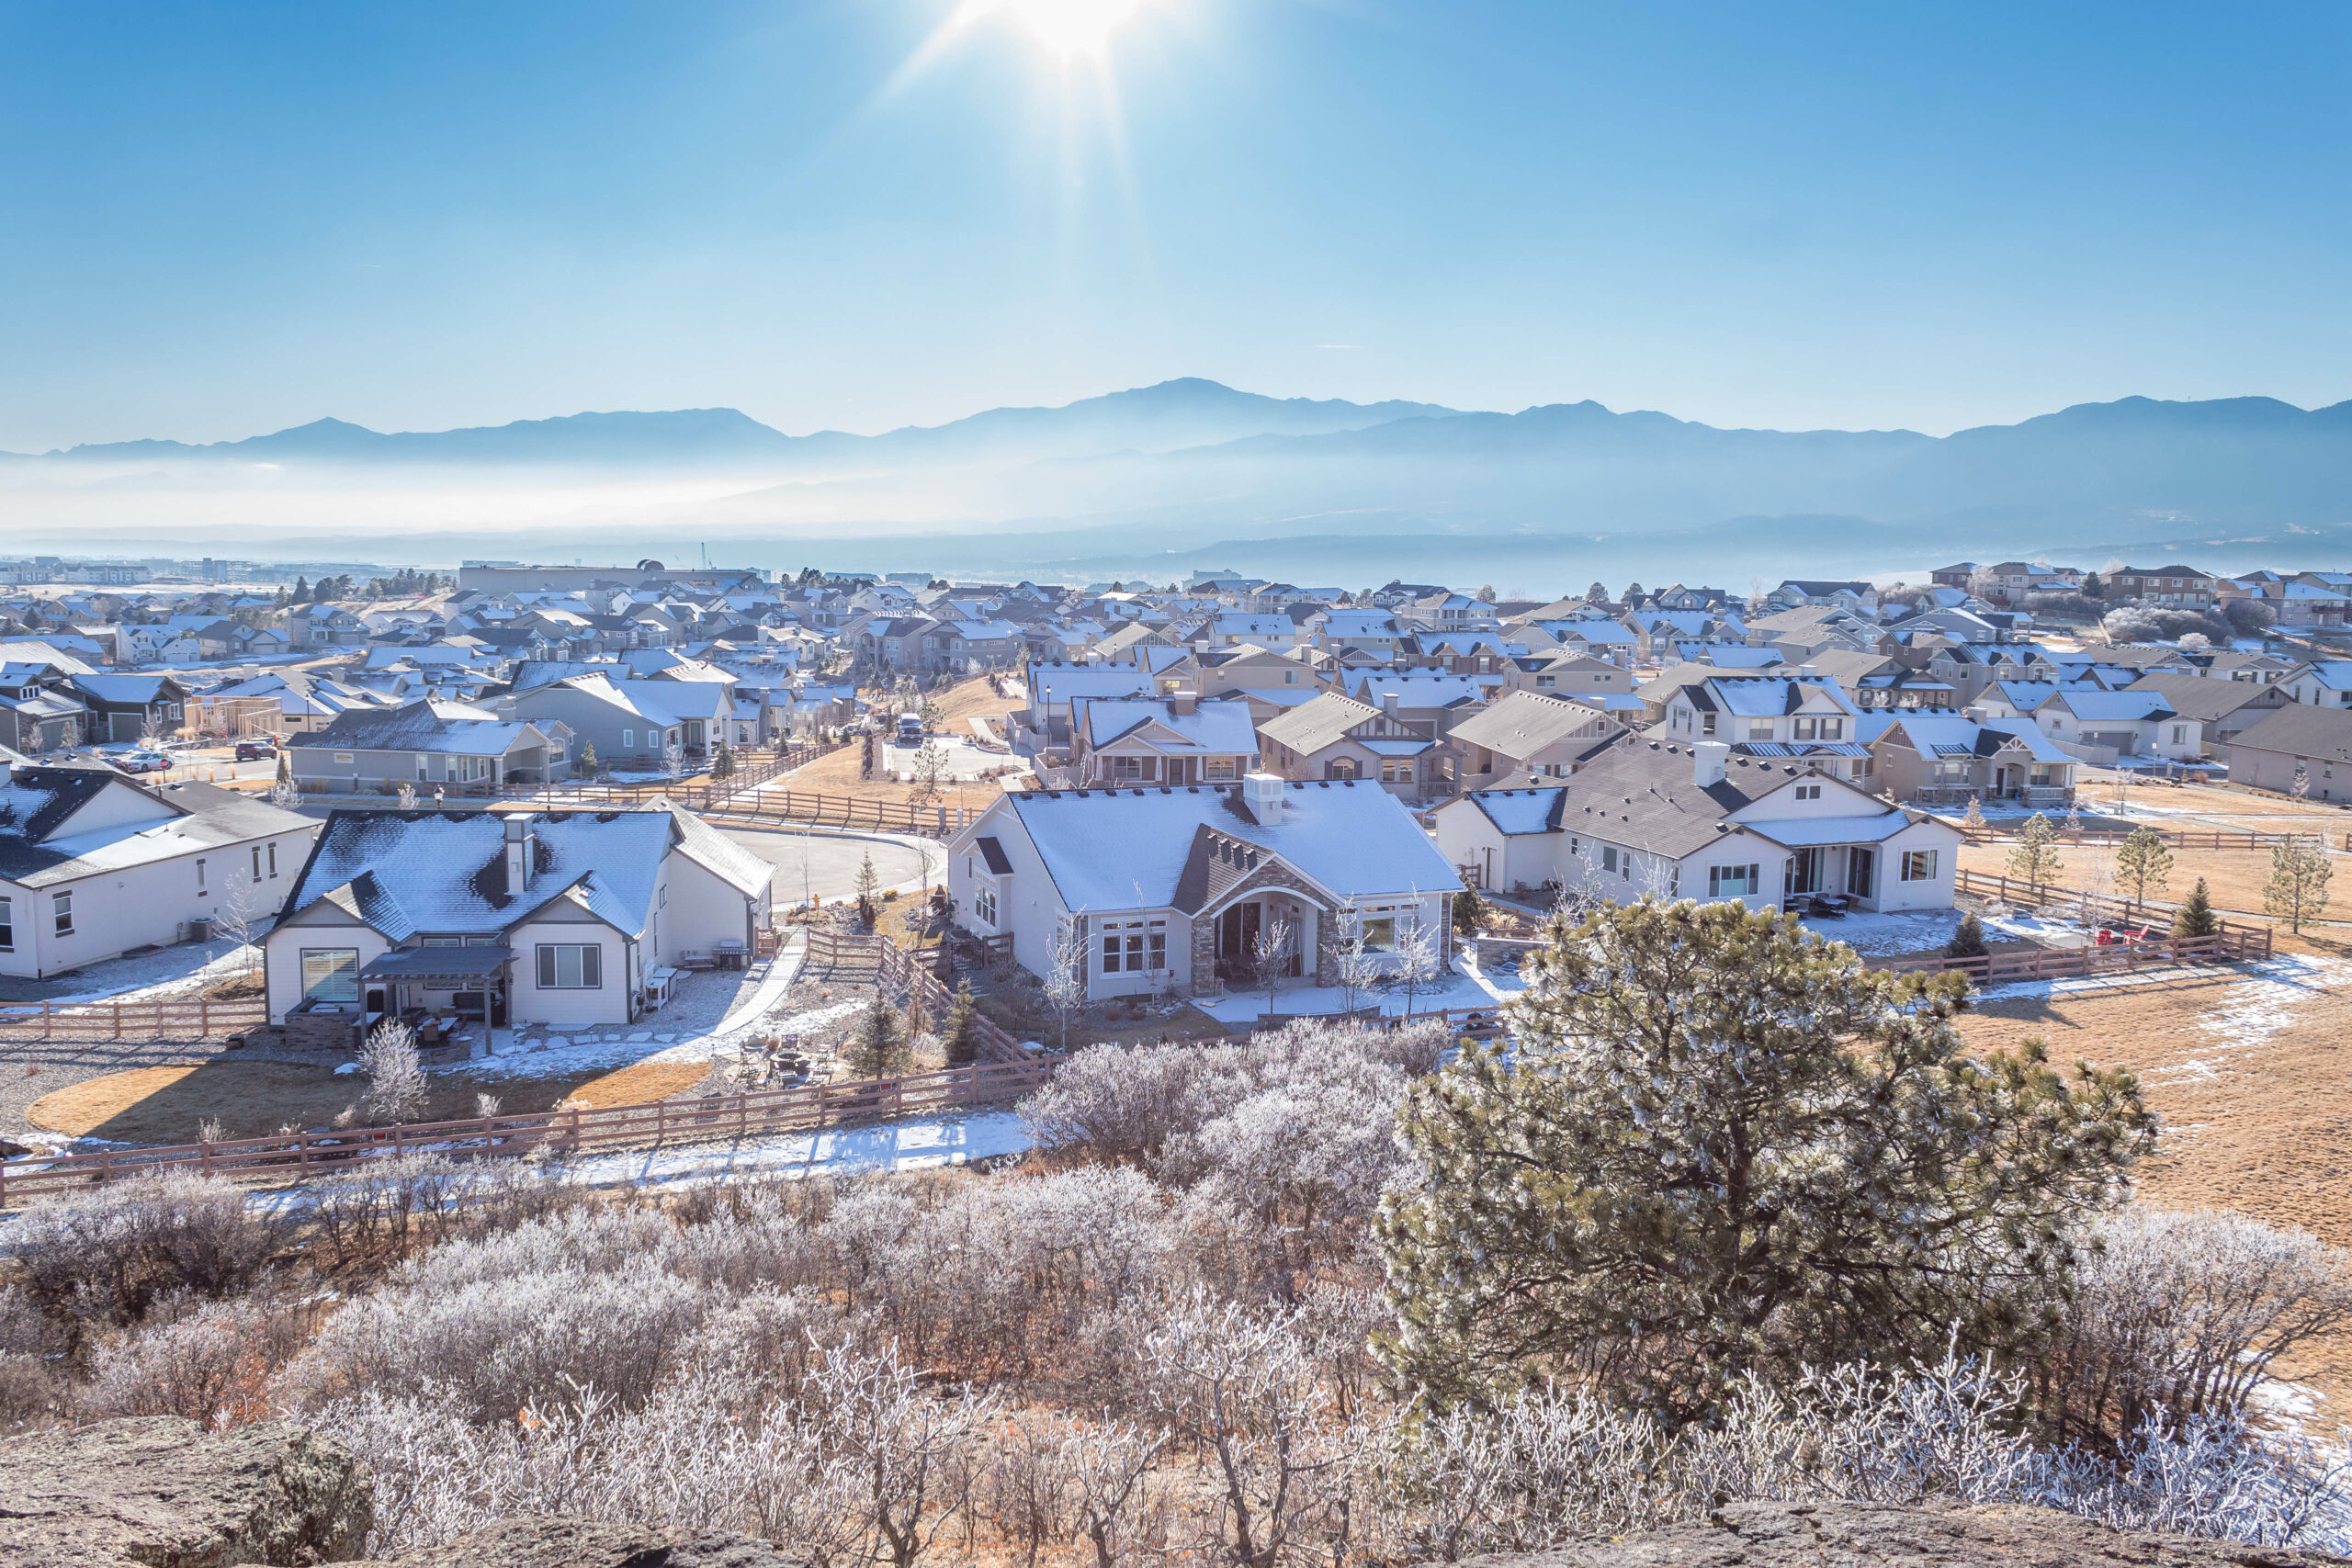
1071 30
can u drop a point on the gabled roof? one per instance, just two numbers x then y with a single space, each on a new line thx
1221 727
1520 724
1312 726
2205 699
2304 729
1140 849
435 874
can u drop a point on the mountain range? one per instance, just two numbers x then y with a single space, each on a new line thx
1168 467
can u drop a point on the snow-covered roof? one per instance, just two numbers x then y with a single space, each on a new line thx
447 874
1797 833
1131 848
1516 811
1221 727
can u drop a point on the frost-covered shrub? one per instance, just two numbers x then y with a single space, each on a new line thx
377 1202
107 1254
516 1319
2179 1315
26 1384
211 1365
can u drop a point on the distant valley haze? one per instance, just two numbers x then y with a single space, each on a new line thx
1158 480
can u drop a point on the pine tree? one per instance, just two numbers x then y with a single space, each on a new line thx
1718 1145
2299 876
1968 941
589 766
1470 912
2091 586
2035 860
959 1037
722 762
2143 862
301 589
869 893
878 1049
2196 917
1974 821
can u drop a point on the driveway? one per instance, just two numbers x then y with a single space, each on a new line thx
825 866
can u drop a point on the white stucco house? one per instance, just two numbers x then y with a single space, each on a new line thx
1168 889
552 918
94 863
1696 822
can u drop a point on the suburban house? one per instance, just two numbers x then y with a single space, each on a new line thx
1363 631
92 864
1523 733
554 917
1054 687
626 722
1176 741
1803 716
2222 708
1566 675
1276 634
129 708
2325 682
1171 890
2303 749
455 748
1341 738
2101 727
2182 587
1936 757
1694 821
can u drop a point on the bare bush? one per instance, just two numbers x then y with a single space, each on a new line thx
396 1086
28 1387
2176 1316
107 1254
381 1202
212 1365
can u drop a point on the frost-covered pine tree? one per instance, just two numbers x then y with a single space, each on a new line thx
1720 1145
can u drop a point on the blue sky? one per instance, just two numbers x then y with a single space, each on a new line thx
220 218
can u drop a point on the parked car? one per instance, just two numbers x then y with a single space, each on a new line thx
910 729
260 748
143 762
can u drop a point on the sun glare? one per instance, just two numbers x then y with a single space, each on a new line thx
1068 28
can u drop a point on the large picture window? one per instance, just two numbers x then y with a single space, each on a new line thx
567 967
331 974
1918 865
1734 880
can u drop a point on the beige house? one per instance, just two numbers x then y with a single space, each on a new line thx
1525 735
1338 739
2300 749
1566 675
1939 758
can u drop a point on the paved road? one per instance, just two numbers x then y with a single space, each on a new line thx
826 866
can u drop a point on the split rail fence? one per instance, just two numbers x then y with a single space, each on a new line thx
934 821
2234 946
2120 913
751 1114
2175 838
197 1018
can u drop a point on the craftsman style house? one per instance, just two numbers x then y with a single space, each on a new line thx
1696 822
1939 758
1180 740
552 918
1170 889
1339 739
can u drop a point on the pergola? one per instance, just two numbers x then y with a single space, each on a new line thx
444 968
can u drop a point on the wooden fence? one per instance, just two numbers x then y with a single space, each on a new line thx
919 977
754 1113
196 1017
780 806
2175 838
2094 907
2055 963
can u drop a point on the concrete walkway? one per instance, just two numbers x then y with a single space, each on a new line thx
783 969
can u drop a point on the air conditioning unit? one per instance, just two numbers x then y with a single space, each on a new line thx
199 929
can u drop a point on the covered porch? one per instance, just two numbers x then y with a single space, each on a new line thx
1290 917
433 989
1833 862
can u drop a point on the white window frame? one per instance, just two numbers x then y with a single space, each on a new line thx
587 965
1918 865
61 912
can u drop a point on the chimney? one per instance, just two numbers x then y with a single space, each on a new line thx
1388 700
1976 715
1708 757
1183 703
1808 673
518 855
1262 793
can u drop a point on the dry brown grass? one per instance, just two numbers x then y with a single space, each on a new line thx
2234 878
2252 1083
637 1083
250 1099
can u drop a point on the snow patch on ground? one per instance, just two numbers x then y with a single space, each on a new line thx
166 972
2255 1010
1464 988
